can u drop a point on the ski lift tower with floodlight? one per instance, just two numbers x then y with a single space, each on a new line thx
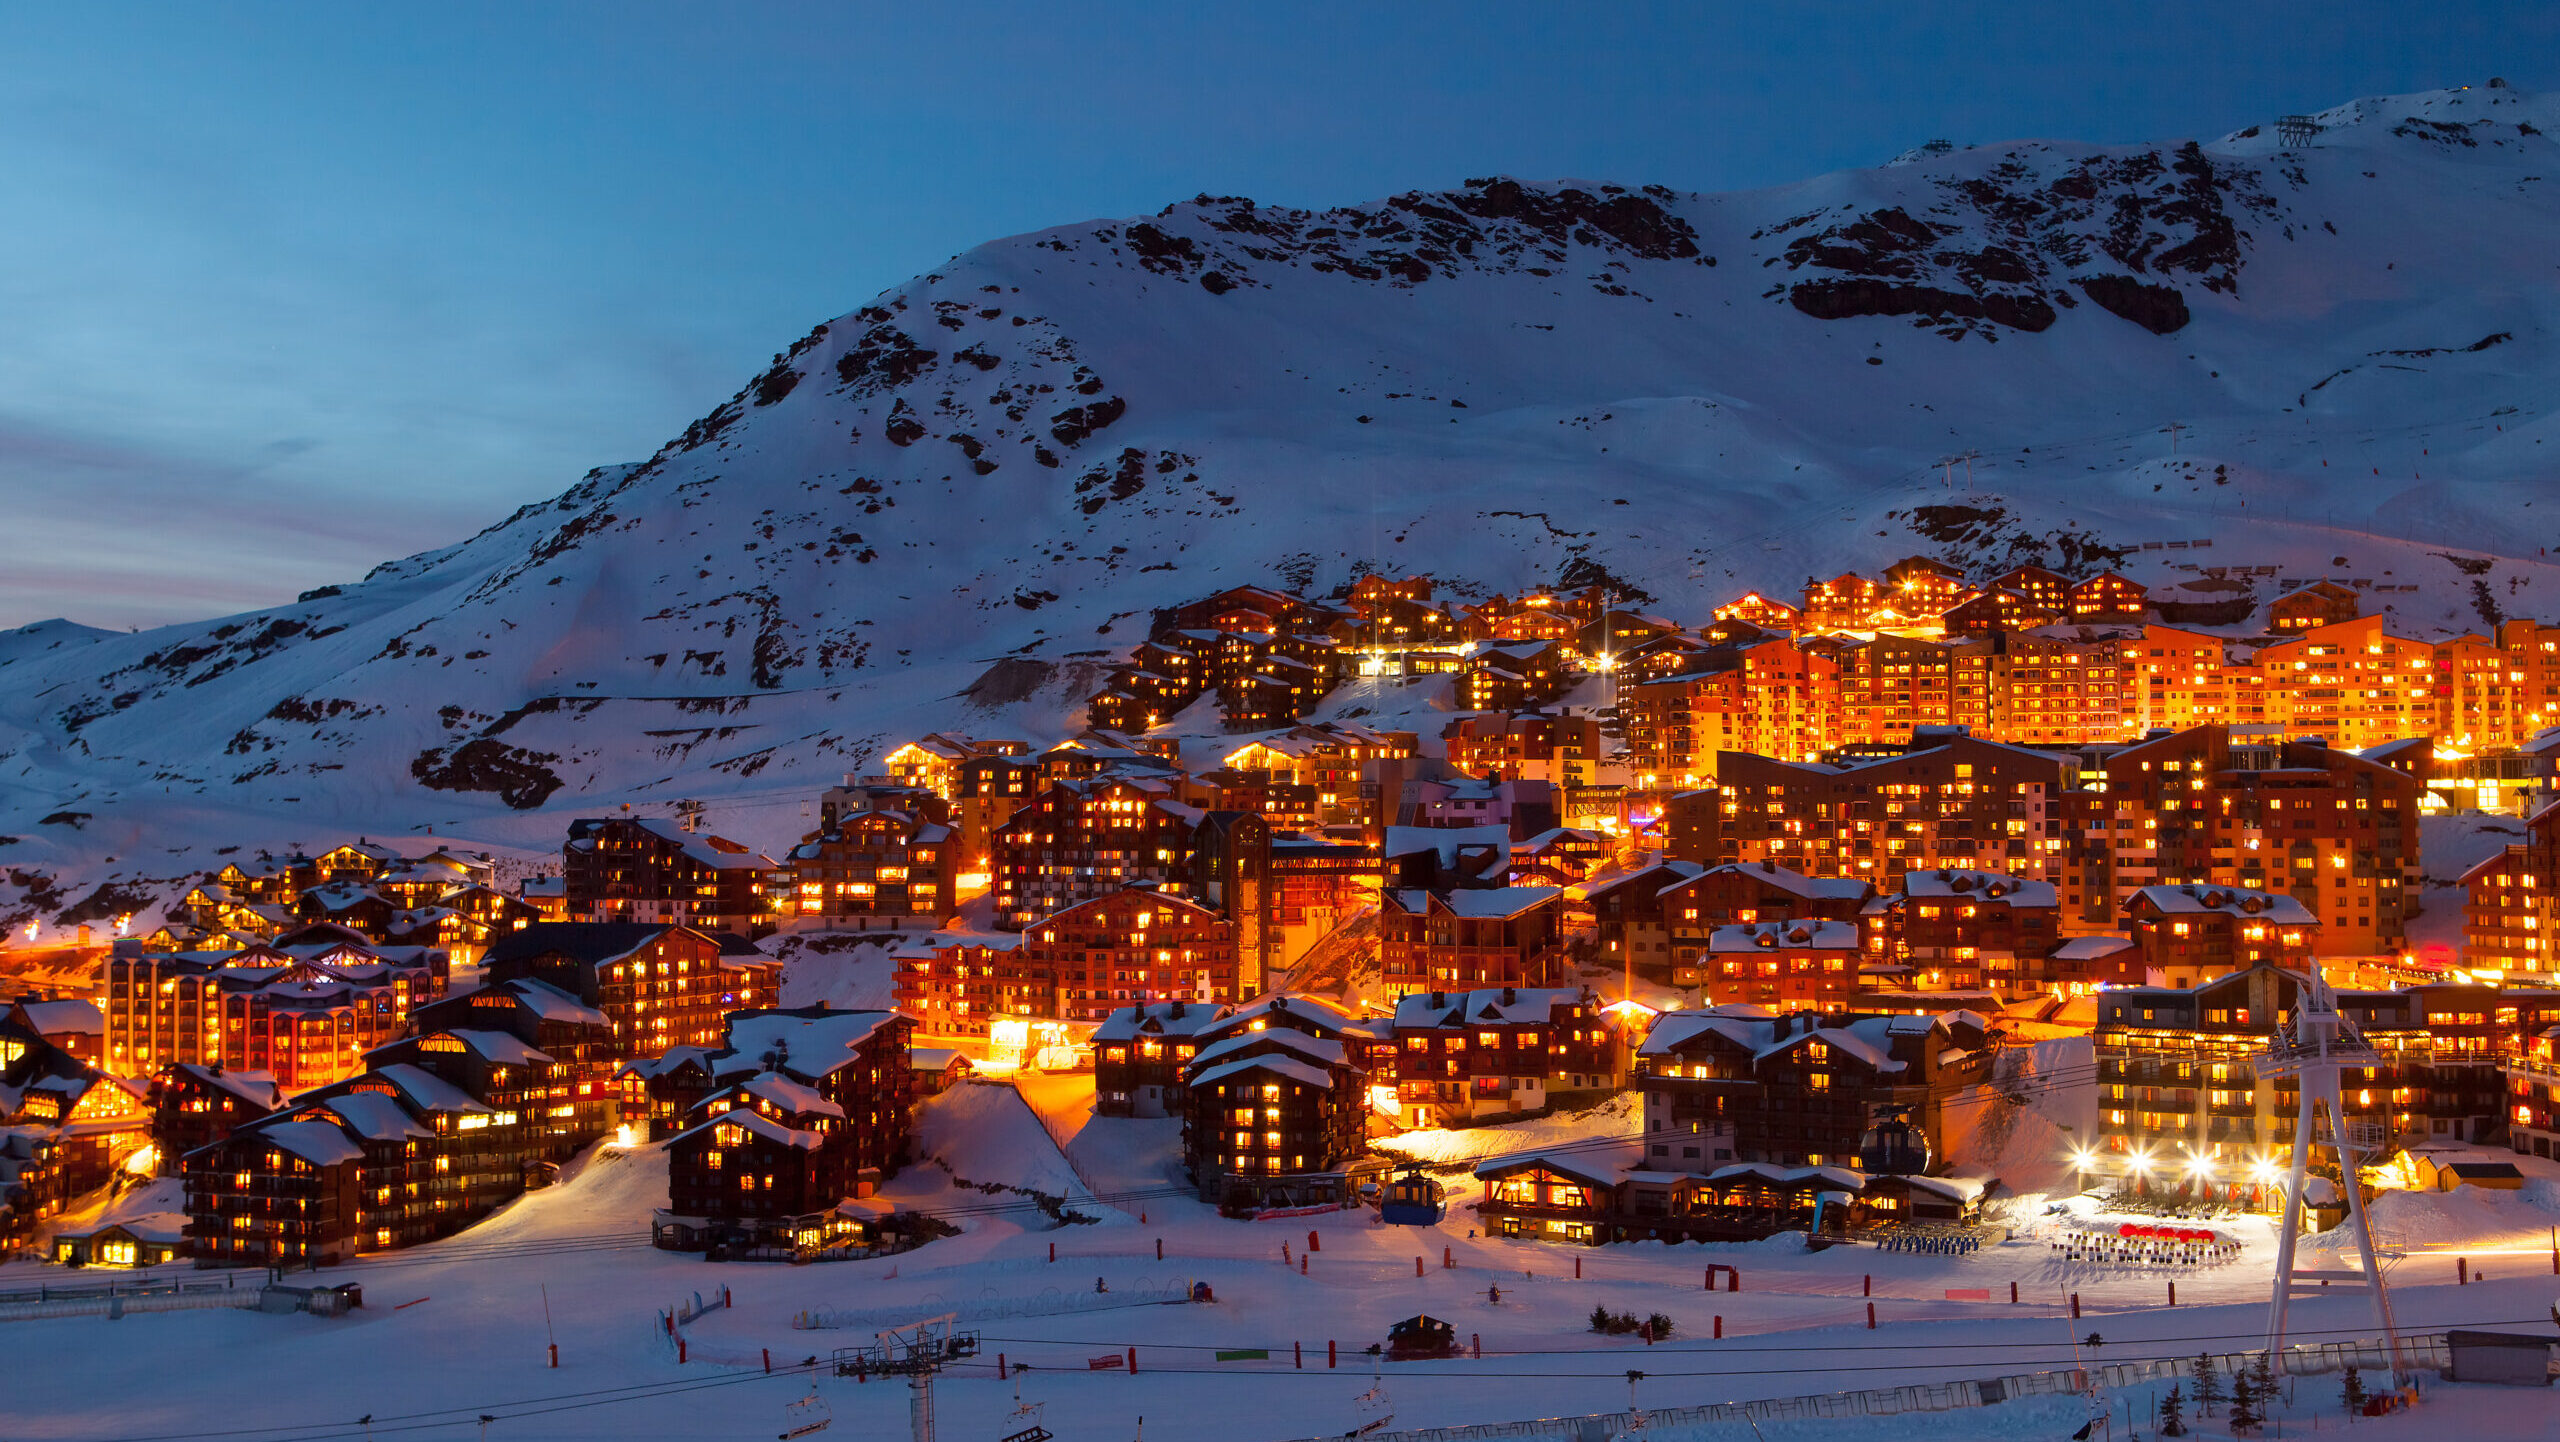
2315 1049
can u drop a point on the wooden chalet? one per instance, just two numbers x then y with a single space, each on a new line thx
1272 1118
659 985
194 1105
2107 596
2305 608
1463 938
1802 1089
1458 1056
644 870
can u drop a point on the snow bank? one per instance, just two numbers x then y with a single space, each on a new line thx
1620 1116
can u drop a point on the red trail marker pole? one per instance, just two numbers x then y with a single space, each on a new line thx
1871 1316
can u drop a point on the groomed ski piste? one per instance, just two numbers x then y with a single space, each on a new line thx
456 1331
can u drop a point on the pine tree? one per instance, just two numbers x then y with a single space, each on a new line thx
2352 1392
2208 1384
2244 1405
2173 1412
1600 1319
2262 1383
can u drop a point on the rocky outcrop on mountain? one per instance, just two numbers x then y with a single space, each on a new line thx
1998 246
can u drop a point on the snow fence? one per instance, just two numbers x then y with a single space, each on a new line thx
2426 1351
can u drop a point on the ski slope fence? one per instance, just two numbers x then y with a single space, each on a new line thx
121 1304
1055 1302
2427 1350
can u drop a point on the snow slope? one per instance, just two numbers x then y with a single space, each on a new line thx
458 1330
951 507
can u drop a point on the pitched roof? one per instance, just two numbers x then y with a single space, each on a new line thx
758 1123
1951 882
1462 1008
791 1096
1315 1048
255 1087
318 1143
2189 900
425 1090
591 942
1289 1067
818 1043
1563 1163
552 1004
1776 935
1157 1018
377 1117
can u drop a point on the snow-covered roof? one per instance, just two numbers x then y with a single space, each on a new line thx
1492 904
1289 1067
1315 1048
65 1018
504 1048
1419 1009
1661 872
318 1143
1867 1048
1578 1167
256 1087
1840 1177
377 1117
2092 948
791 1096
1949 883
1770 873
1159 1018
703 849
426 1091
758 1123
818 1045
552 1004
1799 935
1674 1029
2188 900
667 1061
1961 1188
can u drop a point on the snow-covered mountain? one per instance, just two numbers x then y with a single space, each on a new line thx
1016 458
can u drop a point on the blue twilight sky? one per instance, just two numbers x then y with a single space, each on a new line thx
288 289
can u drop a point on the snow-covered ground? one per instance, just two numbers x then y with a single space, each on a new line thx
473 1342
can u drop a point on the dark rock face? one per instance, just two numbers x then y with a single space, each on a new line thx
884 359
1843 299
2158 309
1494 224
521 778
2003 250
1070 426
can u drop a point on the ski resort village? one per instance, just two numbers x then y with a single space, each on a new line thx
1922 806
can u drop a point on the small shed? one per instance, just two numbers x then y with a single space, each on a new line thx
2507 1359
937 1068
2445 1175
1421 1336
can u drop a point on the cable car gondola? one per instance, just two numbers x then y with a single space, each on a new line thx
1893 1146
1413 1199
